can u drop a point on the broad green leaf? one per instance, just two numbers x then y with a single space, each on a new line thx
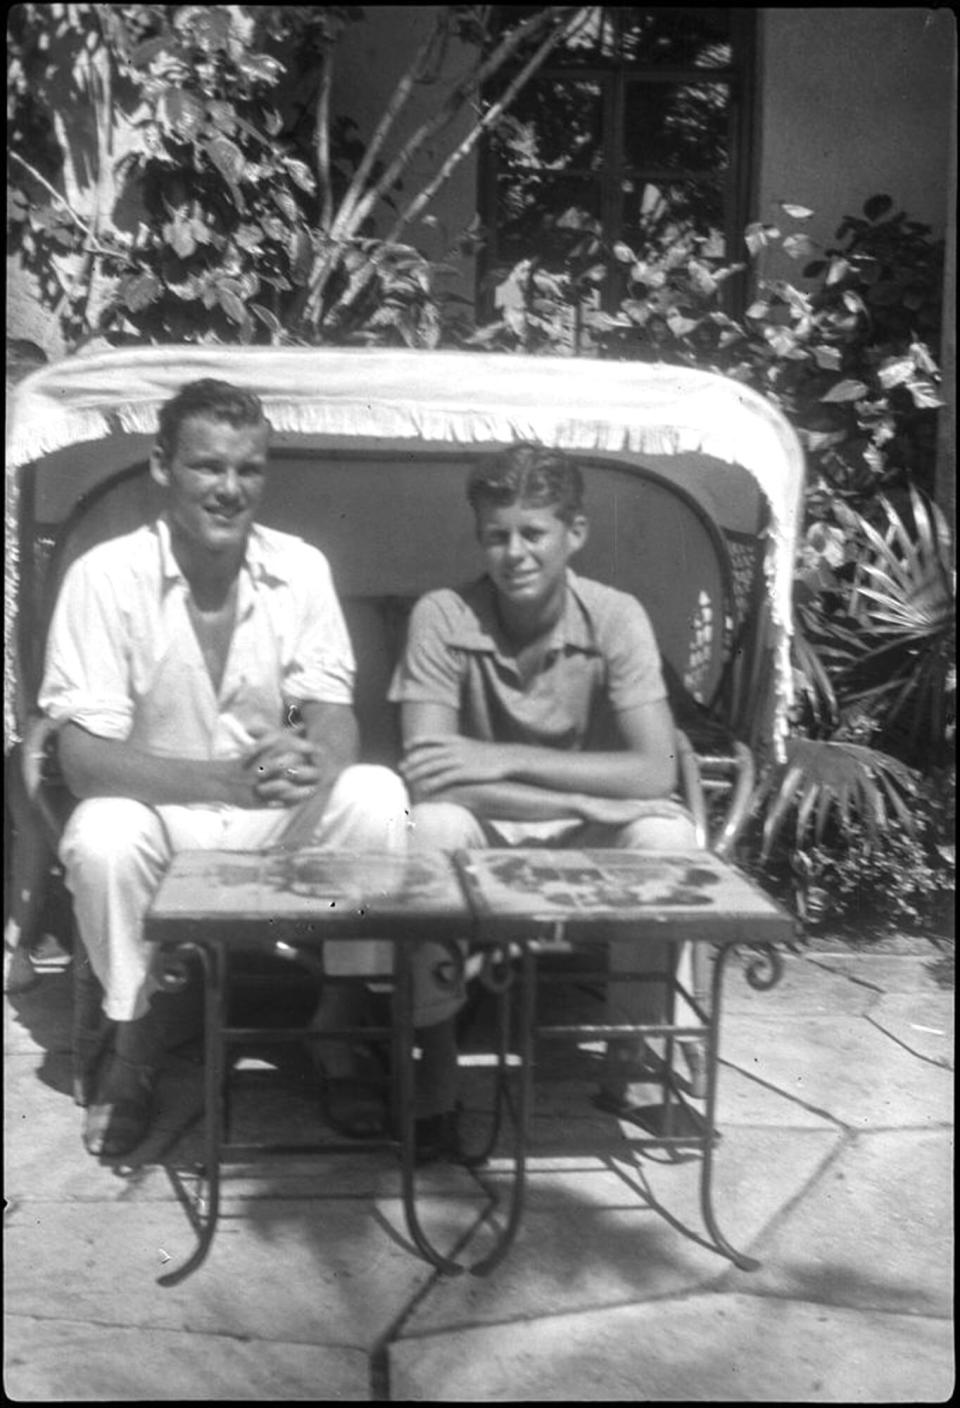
273 227
925 394
894 371
180 237
232 305
623 253
757 236
300 174
180 112
846 391
678 324
796 212
223 115
300 250
818 440
839 269
782 340
227 158
140 291
260 67
701 277
920 353
248 237
829 359
798 246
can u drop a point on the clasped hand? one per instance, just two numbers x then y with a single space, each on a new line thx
433 765
280 767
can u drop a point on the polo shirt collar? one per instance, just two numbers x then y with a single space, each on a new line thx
262 562
481 631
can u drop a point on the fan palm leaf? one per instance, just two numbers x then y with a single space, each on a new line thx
899 657
824 778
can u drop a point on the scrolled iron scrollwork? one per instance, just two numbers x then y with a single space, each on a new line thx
763 966
497 971
448 972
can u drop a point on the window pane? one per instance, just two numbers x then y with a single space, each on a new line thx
543 216
659 216
670 127
681 37
556 124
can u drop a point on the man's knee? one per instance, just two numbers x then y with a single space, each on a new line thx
369 787
107 835
444 826
671 830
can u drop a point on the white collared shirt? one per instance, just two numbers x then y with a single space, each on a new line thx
123 660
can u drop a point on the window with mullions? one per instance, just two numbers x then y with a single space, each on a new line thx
637 126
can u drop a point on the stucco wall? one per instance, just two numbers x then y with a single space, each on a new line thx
853 102
371 59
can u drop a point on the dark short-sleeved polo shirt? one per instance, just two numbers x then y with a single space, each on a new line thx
602 659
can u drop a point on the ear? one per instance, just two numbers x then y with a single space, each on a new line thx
159 472
577 533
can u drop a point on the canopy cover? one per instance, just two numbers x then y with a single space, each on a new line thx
442 397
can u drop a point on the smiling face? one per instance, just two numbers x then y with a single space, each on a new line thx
526 549
214 476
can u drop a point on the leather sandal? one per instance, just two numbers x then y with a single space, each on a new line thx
119 1119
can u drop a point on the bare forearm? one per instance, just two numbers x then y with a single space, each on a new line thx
101 767
331 731
510 801
606 774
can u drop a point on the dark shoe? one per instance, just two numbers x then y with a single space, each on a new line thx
355 1106
438 1137
119 1118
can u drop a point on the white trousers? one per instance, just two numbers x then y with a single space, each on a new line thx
665 826
115 852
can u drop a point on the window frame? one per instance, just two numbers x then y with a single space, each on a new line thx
613 79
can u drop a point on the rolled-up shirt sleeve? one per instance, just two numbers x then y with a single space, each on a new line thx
87 670
430 669
320 665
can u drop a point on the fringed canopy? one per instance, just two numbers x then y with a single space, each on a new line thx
457 398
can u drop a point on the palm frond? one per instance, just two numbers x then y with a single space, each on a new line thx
831 778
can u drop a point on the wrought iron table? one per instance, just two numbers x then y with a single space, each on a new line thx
515 906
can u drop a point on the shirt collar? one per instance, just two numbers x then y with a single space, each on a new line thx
262 561
481 630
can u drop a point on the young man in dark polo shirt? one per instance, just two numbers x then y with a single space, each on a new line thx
534 709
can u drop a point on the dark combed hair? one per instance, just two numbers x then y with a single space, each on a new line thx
528 474
217 400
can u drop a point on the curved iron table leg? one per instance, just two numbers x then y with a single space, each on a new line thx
403 1057
521 1115
213 987
768 954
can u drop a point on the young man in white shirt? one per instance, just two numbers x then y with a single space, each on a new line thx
177 658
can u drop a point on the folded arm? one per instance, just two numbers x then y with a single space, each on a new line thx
282 767
524 782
